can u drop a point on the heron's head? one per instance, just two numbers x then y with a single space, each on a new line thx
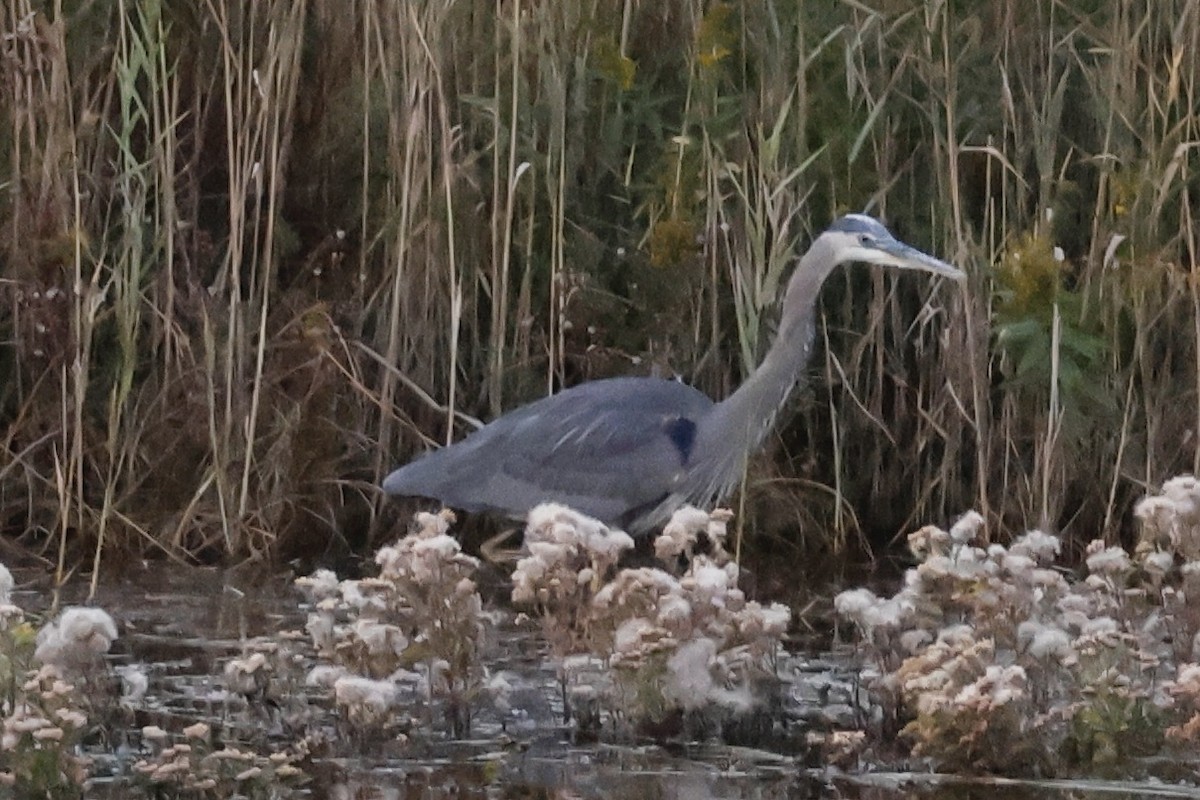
857 237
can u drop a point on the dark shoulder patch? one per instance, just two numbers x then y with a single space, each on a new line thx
683 435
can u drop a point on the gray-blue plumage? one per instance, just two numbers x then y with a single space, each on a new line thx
859 223
551 449
629 451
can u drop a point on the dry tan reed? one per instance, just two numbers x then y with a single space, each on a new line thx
255 254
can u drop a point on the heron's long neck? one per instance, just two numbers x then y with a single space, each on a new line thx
737 426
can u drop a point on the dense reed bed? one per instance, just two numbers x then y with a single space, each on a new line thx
256 253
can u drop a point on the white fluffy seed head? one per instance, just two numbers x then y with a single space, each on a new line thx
1110 561
966 530
358 693
6 585
321 584
79 636
1042 547
689 680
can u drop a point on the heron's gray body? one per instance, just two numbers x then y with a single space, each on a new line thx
629 451
644 429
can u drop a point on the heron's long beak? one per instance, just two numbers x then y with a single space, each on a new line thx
905 257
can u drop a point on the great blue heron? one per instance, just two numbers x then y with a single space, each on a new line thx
629 451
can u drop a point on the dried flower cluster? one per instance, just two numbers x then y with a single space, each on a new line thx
63 688
194 768
249 675
570 557
1000 662
41 729
666 642
52 675
418 624
264 681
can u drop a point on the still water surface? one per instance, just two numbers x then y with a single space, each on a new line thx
184 624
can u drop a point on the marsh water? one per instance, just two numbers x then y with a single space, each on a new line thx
183 624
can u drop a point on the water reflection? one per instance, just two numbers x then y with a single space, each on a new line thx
184 625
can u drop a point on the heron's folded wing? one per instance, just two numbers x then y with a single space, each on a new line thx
624 442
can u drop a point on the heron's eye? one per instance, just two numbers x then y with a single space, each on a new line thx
866 240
